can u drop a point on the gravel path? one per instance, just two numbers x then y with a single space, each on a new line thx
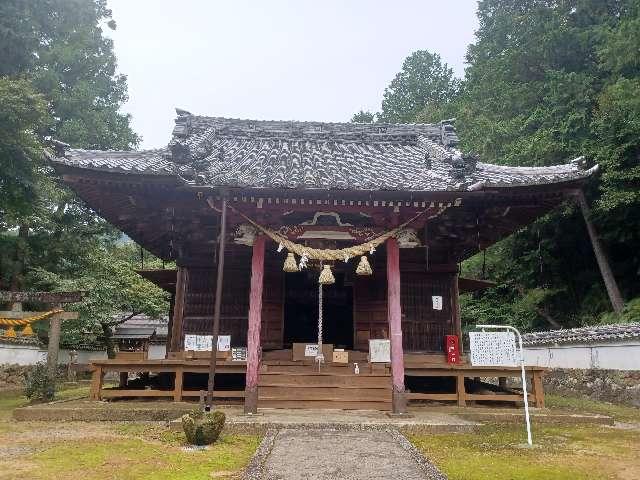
331 454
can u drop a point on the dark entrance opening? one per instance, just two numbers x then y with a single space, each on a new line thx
301 309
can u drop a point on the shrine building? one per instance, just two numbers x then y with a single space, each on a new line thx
330 237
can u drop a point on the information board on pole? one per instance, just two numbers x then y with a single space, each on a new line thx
493 349
498 349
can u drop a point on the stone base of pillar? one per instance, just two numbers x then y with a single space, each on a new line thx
251 401
399 402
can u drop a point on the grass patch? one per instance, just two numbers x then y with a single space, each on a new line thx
102 451
584 405
499 452
9 401
136 458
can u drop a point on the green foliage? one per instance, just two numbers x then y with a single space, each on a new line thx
59 79
38 385
630 314
363 117
115 292
424 82
203 428
23 113
547 82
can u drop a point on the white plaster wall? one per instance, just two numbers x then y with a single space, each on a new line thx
12 354
609 356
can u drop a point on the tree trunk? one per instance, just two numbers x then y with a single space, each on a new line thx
108 340
17 277
605 269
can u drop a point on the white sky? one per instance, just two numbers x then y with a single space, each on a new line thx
275 59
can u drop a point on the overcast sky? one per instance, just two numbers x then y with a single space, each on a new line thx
276 59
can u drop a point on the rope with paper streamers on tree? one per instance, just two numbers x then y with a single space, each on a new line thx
26 322
307 253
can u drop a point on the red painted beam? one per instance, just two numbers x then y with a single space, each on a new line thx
255 321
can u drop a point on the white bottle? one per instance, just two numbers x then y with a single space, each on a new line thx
356 369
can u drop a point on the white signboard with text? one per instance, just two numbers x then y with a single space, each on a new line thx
202 343
311 350
380 351
493 349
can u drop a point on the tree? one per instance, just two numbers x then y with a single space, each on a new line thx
59 79
424 82
116 294
363 117
548 81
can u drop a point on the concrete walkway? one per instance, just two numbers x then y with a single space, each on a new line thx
323 454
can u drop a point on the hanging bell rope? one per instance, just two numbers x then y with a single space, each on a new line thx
320 355
308 253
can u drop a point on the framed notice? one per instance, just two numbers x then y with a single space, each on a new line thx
239 354
436 300
224 343
190 342
311 350
379 351
202 343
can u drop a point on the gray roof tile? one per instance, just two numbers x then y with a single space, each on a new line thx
280 154
591 334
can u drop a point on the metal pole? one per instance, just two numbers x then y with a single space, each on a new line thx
524 378
218 301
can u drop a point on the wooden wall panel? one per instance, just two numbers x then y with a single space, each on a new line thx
200 297
423 328
370 304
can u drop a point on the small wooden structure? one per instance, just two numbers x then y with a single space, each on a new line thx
222 189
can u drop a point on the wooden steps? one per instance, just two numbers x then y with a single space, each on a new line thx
324 390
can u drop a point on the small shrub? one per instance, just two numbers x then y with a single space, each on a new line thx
37 385
203 428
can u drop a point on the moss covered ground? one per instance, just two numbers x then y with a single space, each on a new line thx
123 451
560 452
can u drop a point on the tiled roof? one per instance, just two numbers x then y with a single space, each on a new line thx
592 334
144 322
312 155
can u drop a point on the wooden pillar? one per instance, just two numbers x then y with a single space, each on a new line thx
178 309
177 384
455 310
605 269
218 303
96 383
395 326
538 389
255 321
54 346
172 304
460 390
